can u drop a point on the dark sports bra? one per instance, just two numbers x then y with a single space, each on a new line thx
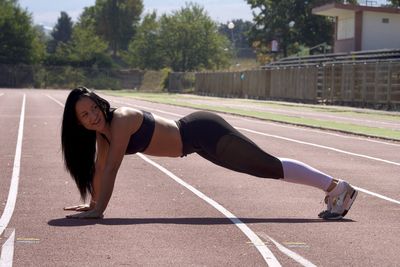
140 140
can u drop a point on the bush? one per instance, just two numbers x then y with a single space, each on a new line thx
165 77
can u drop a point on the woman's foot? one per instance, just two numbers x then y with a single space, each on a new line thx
339 201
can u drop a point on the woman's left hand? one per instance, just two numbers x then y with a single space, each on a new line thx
91 214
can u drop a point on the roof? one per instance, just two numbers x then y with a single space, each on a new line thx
337 9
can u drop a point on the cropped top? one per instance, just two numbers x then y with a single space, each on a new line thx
140 140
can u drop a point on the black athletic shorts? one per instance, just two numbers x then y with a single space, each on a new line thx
210 136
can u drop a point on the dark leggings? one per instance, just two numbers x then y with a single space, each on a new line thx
214 139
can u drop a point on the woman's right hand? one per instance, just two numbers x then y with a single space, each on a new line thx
82 207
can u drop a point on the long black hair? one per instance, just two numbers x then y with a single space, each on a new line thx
78 143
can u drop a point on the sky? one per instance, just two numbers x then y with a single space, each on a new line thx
46 12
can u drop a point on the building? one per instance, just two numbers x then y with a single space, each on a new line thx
359 28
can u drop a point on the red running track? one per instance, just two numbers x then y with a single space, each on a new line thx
154 220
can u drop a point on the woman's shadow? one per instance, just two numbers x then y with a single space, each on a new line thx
67 222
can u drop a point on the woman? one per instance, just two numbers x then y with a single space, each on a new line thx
95 139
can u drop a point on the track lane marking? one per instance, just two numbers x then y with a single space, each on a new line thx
55 100
364 139
267 255
13 191
319 146
376 195
7 251
296 257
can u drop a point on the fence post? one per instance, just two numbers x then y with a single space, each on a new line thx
364 87
389 85
376 87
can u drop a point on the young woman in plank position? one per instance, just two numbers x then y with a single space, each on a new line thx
95 138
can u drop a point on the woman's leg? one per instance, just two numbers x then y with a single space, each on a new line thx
217 141
301 173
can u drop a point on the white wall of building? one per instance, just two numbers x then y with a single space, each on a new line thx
345 28
379 35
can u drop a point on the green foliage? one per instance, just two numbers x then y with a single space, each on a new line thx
61 32
19 42
165 77
187 40
239 34
88 48
145 51
114 21
394 3
85 49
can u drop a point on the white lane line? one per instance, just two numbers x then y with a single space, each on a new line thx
377 195
265 252
288 252
320 146
1 94
12 194
306 129
7 251
55 100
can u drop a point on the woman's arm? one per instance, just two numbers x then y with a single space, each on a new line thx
101 154
102 150
121 130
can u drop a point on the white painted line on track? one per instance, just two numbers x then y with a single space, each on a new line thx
12 194
55 100
265 252
320 146
307 129
376 195
1 94
288 252
7 251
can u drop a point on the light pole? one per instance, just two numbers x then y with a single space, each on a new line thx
231 26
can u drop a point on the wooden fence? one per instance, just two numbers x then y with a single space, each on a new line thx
362 84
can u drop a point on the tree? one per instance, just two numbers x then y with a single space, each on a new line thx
394 3
290 22
190 40
85 49
145 50
61 32
239 35
114 21
19 41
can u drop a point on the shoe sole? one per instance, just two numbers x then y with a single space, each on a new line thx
349 200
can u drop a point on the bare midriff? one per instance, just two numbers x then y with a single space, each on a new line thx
166 140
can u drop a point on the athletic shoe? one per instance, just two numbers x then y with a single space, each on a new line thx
339 201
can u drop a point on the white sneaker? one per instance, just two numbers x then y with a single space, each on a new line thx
339 201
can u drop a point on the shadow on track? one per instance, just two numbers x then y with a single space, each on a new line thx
65 222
